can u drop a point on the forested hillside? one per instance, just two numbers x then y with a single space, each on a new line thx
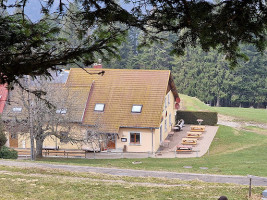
201 74
204 75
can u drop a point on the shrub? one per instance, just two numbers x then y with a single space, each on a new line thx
190 117
2 139
8 153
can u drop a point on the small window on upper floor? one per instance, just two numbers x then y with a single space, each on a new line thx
169 99
61 111
99 107
17 109
137 108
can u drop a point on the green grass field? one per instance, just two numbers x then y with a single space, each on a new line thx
242 114
32 184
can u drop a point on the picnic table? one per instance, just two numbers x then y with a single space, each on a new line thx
190 141
197 128
184 148
194 134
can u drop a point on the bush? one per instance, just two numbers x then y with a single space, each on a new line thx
190 117
8 153
2 139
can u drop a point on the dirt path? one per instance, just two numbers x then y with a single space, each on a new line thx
243 180
233 122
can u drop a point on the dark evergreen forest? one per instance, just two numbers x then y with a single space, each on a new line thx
205 75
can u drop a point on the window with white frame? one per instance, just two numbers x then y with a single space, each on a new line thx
170 119
61 111
17 109
169 99
165 125
135 138
99 107
137 108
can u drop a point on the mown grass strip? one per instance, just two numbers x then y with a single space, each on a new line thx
38 186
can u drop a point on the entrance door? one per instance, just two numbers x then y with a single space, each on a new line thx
111 145
13 140
111 142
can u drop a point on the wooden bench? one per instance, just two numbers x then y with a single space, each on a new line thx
197 128
184 148
194 134
66 153
24 151
53 152
190 141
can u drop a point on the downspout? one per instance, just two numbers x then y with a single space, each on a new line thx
152 145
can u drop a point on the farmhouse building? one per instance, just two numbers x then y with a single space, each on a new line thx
134 109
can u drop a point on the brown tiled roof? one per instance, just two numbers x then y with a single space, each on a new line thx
78 98
73 99
15 100
119 89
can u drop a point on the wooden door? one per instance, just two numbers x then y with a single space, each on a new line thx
111 145
13 140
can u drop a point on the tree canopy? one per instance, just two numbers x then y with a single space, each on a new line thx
34 48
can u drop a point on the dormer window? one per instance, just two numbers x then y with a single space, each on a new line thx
61 111
137 108
17 109
99 107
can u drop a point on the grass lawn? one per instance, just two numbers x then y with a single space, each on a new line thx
232 152
31 184
243 114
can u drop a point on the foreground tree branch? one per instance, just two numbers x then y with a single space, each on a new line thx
34 48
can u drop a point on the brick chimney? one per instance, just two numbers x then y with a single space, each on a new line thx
97 65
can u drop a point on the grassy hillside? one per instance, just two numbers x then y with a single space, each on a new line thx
193 104
242 114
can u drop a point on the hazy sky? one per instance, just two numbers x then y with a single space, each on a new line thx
33 7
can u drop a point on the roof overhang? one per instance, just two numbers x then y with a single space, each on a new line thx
139 127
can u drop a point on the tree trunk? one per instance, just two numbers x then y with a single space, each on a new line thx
39 147
218 102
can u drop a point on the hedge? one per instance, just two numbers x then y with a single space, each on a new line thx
190 117
8 153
